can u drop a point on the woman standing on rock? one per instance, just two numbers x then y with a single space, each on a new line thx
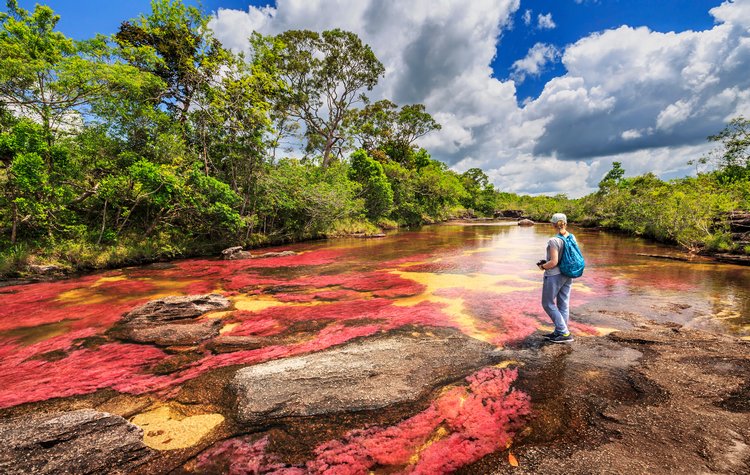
556 288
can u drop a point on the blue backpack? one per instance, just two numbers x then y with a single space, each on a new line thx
571 260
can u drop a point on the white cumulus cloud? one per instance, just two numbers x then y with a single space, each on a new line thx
545 22
533 64
527 17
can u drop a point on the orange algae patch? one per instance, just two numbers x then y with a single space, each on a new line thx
167 429
461 426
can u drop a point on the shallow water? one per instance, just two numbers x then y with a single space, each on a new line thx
478 279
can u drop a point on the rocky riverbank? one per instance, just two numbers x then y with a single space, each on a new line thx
657 398
647 398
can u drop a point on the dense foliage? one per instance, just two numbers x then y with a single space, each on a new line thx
157 141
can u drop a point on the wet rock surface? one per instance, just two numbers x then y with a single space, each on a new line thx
172 321
656 398
363 375
81 442
236 253
274 254
171 334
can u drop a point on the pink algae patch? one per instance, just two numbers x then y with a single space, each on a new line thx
461 426
82 371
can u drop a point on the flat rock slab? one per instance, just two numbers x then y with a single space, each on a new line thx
171 334
81 442
369 374
172 321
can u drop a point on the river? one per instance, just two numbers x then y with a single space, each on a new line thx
479 279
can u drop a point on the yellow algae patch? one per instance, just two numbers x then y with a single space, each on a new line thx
257 303
165 429
580 287
216 315
454 307
36 334
117 278
227 328
440 433
506 363
603 331
94 295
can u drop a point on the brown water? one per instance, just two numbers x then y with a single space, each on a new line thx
477 278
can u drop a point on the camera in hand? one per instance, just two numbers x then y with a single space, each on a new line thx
541 262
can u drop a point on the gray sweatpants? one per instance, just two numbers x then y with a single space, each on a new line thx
555 300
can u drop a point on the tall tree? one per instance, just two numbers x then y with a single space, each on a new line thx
325 74
175 44
732 157
382 124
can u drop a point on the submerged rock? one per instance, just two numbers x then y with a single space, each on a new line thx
365 375
275 254
83 441
526 222
235 252
231 343
172 321
369 236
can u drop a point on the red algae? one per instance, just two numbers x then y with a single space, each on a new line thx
82 371
461 426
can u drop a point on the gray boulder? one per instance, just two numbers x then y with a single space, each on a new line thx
81 442
172 321
368 374
526 222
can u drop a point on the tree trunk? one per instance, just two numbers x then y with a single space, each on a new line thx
327 152
15 224
104 221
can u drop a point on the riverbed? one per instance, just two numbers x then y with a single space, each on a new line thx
466 285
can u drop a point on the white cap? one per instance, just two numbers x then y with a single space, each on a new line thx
559 217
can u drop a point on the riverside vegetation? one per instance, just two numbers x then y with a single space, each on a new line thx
158 142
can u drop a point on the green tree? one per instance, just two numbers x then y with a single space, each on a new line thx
175 44
382 125
613 176
51 78
376 189
324 74
480 193
732 156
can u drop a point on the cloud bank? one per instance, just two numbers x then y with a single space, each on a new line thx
648 99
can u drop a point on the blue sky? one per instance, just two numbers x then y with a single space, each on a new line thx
542 95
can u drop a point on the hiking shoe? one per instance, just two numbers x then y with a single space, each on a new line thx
550 336
564 338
